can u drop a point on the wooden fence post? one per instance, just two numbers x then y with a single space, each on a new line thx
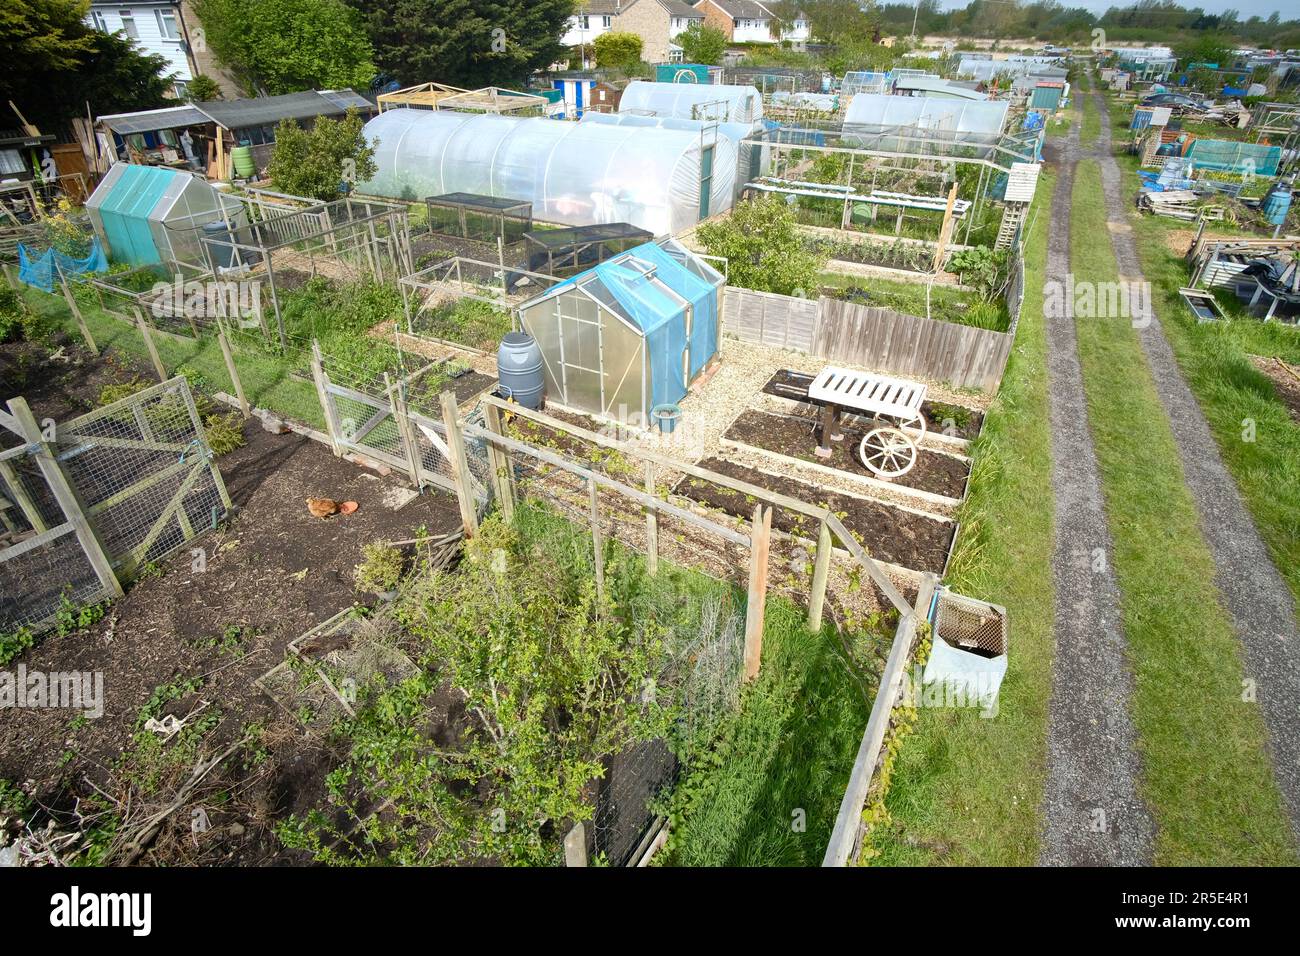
459 464
143 326
575 846
503 477
651 524
232 370
597 544
66 496
323 396
75 309
821 570
397 404
759 545
25 503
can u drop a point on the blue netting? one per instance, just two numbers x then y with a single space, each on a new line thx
1228 156
41 270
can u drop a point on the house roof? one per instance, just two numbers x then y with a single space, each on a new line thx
744 9
679 8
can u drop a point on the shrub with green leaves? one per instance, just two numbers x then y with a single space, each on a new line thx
763 248
380 570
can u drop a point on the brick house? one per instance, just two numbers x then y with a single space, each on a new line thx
748 21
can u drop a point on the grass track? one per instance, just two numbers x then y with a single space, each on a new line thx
1207 777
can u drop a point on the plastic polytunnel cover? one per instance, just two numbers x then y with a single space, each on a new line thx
578 173
733 104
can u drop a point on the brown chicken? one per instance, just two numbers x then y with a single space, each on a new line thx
325 507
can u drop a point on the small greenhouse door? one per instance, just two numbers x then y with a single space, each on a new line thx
706 180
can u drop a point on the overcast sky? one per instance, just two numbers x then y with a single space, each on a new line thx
1245 8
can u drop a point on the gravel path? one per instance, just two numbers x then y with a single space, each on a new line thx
1092 814
1252 591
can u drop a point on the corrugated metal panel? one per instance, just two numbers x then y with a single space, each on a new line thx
171 118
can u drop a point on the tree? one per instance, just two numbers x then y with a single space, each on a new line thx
55 65
469 43
1206 48
323 162
202 88
618 51
840 21
763 248
702 43
284 46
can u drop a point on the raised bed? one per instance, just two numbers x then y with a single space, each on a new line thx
935 473
955 421
896 535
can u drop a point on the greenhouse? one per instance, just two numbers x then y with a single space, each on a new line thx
629 334
731 104
749 156
662 180
889 123
146 215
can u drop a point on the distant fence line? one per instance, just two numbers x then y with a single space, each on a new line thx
876 338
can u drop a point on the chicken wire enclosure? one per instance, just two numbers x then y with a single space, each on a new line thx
563 252
479 218
629 334
146 215
662 180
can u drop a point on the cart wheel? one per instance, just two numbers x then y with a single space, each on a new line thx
888 452
915 427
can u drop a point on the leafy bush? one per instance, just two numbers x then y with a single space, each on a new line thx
13 643
701 43
380 569
225 432
324 162
19 321
763 248
981 268
618 51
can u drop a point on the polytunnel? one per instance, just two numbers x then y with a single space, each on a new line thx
663 180
146 215
751 158
899 123
629 334
714 101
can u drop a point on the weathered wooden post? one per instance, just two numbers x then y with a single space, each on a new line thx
821 570
760 542
75 309
66 496
459 464
397 405
323 396
575 846
143 326
597 543
232 370
503 476
651 524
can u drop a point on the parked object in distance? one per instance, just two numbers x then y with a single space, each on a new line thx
1181 100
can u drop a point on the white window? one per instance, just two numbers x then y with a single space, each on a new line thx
128 24
167 25
606 22
97 18
181 87
584 22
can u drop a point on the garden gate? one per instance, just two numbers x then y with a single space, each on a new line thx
84 505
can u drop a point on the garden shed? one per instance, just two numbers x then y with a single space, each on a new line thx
731 104
662 180
148 215
629 334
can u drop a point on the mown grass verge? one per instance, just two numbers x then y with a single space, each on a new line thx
1234 395
966 788
1206 776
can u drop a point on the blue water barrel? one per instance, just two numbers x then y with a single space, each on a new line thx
1277 204
519 368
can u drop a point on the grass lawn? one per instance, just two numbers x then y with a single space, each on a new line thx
1230 390
1206 776
966 789
1091 127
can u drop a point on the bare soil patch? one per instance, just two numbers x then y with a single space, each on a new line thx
1285 378
889 534
934 472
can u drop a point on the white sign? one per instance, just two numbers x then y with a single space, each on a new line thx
1022 181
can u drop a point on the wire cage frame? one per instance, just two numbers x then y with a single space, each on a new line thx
567 251
345 240
479 218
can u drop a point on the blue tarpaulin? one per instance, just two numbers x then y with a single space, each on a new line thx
42 271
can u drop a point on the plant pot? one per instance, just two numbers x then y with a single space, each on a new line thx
666 417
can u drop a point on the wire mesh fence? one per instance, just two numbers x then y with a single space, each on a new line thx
138 482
